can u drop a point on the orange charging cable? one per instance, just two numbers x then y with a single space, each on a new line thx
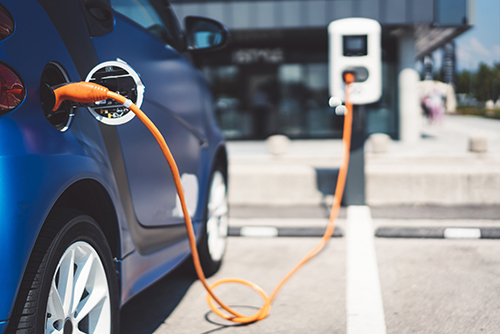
85 92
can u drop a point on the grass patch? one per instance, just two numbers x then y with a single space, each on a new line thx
495 113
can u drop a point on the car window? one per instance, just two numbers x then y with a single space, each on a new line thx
146 14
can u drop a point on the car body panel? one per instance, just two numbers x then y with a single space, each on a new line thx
29 147
39 163
170 91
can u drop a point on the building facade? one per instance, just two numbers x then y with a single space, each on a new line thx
274 77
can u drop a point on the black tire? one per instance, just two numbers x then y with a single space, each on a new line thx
209 263
211 260
66 230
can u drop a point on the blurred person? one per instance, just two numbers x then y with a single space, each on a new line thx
436 106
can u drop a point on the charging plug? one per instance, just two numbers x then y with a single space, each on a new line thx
349 77
81 92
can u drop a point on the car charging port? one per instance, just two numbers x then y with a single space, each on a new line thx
54 75
120 78
117 80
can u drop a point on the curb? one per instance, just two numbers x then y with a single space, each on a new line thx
438 232
288 232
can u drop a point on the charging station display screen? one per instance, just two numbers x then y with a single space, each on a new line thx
355 46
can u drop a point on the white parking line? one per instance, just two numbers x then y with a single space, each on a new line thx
365 311
259 231
462 233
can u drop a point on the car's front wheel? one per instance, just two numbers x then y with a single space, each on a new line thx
213 240
74 288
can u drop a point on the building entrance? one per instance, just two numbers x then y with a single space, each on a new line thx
257 101
261 96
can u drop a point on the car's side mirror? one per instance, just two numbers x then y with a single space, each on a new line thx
204 34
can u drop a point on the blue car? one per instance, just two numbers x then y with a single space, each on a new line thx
90 215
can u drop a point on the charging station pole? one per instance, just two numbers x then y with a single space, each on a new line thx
354 193
355 47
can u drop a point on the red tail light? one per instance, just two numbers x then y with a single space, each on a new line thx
6 23
12 90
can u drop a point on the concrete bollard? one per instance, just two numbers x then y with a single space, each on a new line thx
478 144
379 142
277 144
490 105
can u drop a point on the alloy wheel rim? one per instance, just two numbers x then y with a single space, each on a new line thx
217 222
79 300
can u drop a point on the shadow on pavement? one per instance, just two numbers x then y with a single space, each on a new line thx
225 325
148 310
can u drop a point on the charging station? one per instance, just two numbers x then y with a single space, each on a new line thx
355 47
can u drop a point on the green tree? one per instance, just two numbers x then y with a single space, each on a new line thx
483 85
484 82
463 83
495 86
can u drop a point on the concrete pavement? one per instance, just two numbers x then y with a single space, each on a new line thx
427 285
438 170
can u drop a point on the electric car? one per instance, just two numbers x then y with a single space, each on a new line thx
90 215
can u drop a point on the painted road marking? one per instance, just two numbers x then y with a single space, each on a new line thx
259 231
462 233
286 232
438 232
365 311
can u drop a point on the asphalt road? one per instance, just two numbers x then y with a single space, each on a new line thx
428 285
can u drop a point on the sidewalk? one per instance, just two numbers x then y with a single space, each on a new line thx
438 170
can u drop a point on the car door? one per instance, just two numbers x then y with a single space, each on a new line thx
145 37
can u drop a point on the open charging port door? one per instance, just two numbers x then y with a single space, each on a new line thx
118 77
